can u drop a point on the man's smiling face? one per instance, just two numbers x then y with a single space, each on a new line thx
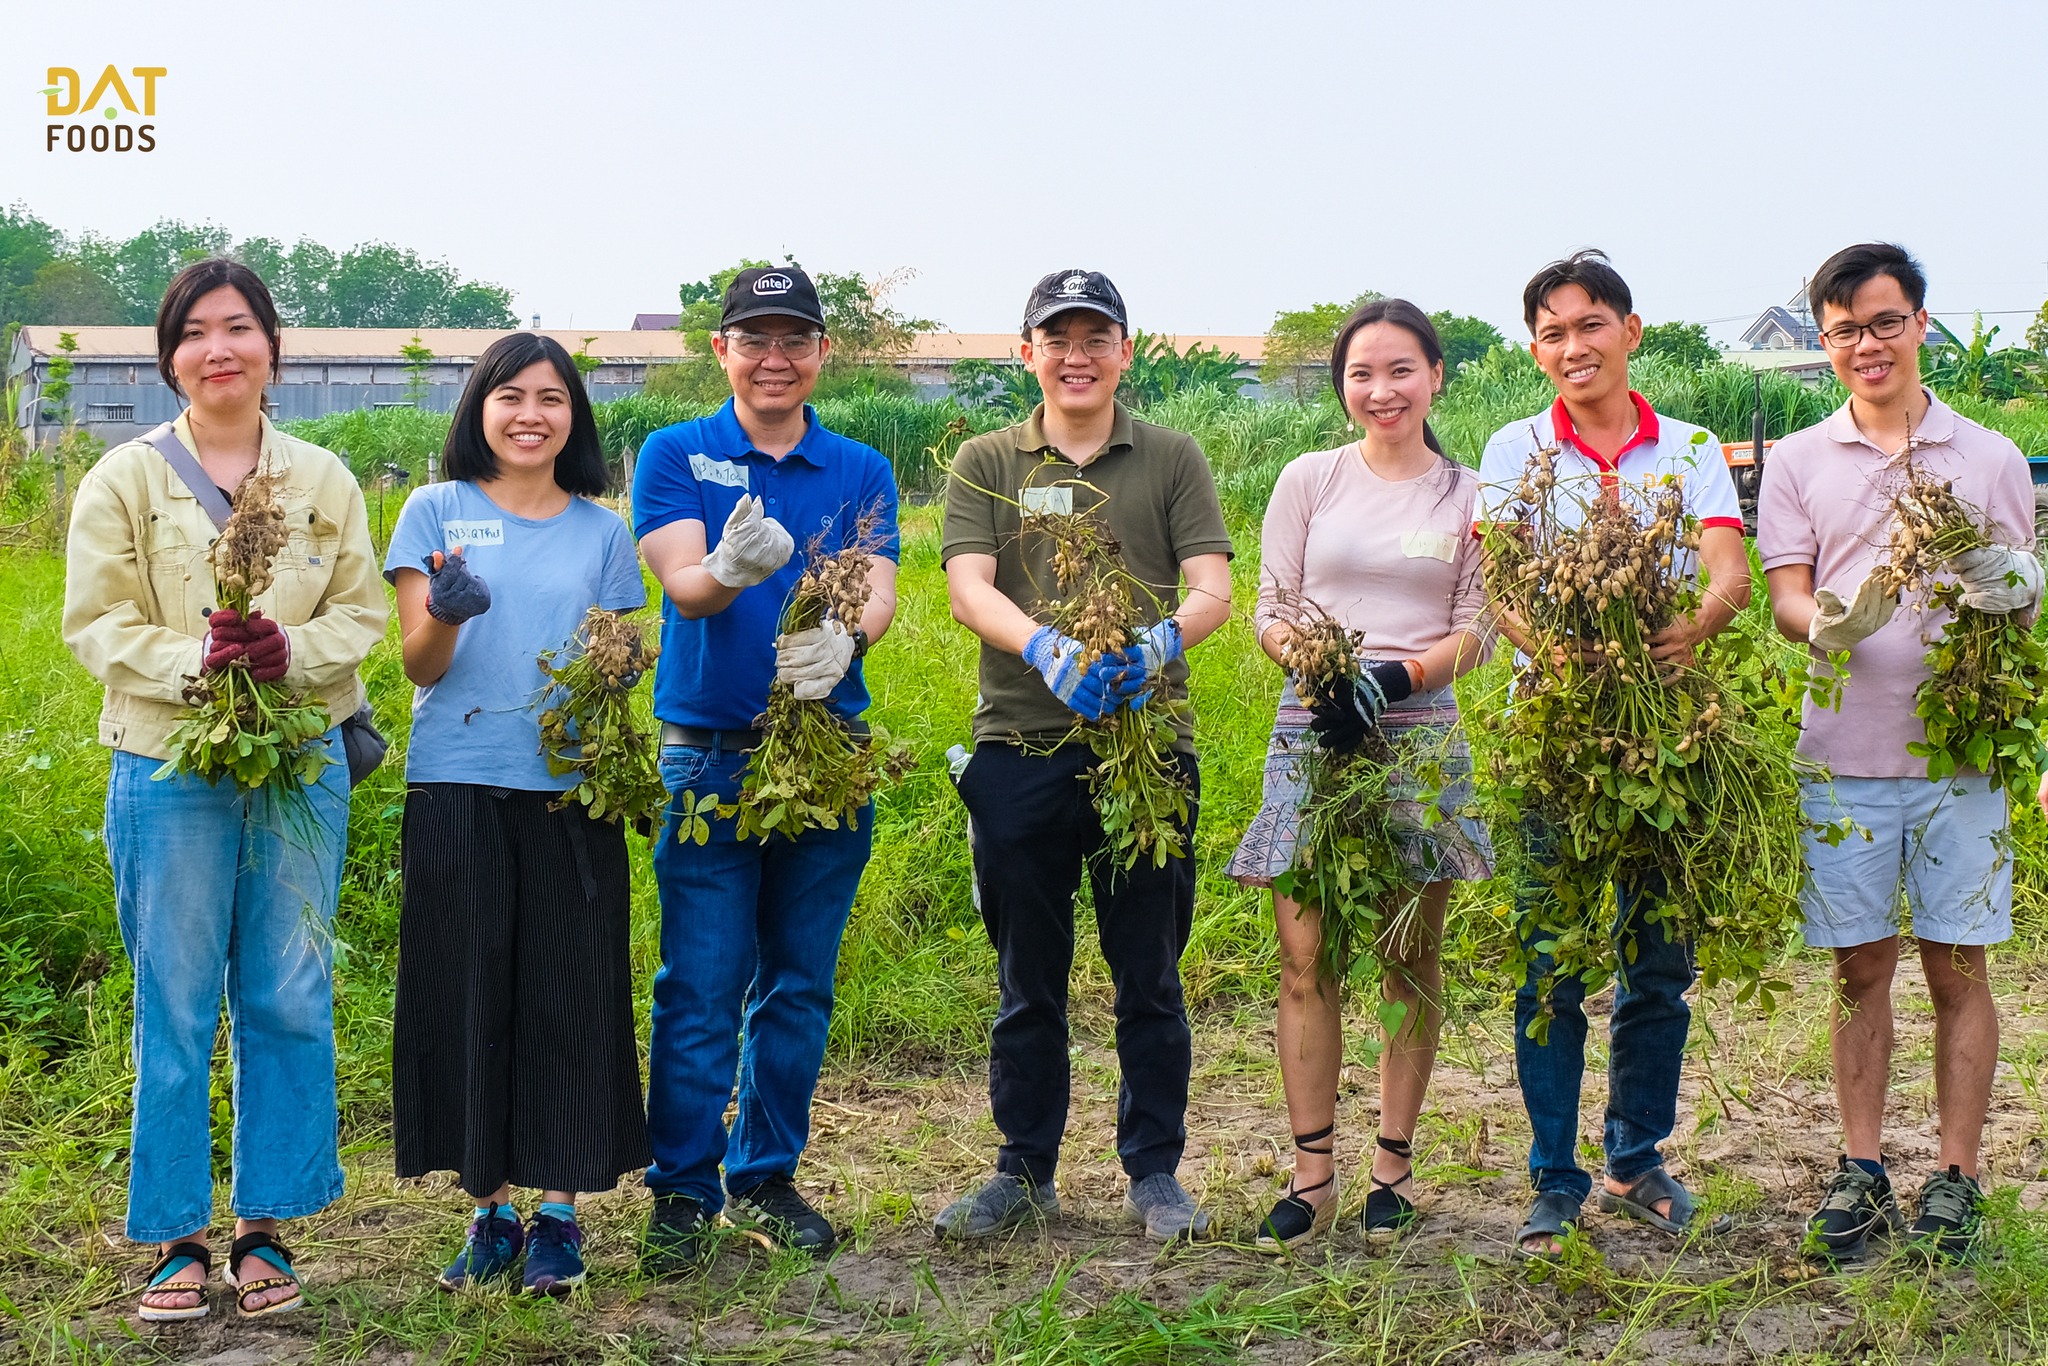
1584 346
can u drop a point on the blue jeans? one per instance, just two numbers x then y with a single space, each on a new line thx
220 891
749 940
1646 1049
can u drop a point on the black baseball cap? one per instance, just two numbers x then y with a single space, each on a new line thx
782 292
1065 289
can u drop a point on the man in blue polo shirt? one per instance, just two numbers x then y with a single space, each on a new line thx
749 930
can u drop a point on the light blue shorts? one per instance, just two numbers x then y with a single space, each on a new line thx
1946 846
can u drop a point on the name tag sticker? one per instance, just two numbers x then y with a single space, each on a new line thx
1430 545
486 531
719 471
1046 502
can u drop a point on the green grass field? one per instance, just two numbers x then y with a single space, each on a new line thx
902 1121
902 1115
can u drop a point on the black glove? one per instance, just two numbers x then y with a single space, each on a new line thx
454 595
1349 708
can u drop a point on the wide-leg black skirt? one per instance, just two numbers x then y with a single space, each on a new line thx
512 1053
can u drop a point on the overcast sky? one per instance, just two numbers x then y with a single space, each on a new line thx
1220 161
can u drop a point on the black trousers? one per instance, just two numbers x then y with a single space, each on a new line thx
512 1053
1035 833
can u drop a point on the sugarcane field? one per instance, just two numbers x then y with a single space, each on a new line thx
984 789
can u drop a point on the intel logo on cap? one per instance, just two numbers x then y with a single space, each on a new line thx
774 284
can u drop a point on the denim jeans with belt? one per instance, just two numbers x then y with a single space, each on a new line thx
221 891
1646 1049
749 944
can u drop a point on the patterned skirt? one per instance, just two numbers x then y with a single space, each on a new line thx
1457 847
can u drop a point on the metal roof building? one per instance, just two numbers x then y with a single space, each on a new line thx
116 392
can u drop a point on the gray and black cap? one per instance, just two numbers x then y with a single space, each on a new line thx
1068 289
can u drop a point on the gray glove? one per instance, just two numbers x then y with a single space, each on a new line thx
454 595
1998 578
813 661
1841 626
752 546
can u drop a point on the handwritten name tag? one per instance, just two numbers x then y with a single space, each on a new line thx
1430 545
1046 502
719 471
489 531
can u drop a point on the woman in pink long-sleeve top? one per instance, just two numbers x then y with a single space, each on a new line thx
1378 535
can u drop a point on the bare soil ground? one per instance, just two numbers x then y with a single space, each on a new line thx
1757 1134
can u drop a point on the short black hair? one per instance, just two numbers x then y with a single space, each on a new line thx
1591 271
188 287
579 466
1851 268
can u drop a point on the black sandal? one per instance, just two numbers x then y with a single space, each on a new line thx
267 1249
1294 1219
175 1259
1387 1211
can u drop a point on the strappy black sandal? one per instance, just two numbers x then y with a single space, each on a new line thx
1387 1211
176 1259
1294 1219
265 1248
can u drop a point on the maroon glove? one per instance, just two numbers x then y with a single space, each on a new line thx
256 640
227 637
268 651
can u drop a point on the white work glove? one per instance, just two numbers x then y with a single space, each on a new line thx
1998 578
812 662
752 546
1841 626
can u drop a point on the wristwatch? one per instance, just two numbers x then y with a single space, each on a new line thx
860 642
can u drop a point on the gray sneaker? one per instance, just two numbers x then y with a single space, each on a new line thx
1002 1202
1166 1210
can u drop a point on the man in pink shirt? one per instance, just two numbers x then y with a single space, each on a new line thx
1822 521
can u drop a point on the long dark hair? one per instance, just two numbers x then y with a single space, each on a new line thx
1407 316
579 465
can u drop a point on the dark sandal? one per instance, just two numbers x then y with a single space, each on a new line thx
1554 1215
1294 1219
1639 1201
1387 1211
180 1256
266 1248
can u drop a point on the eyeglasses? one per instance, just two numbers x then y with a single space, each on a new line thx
1094 348
756 346
1884 327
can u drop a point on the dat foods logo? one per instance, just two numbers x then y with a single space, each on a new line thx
108 107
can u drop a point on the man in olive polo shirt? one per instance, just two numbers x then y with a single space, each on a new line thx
1035 828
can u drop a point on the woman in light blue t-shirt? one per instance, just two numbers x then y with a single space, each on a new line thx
513 1054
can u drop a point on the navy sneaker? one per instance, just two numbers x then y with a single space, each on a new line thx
679 1235
490 1252
776 1217
554 1256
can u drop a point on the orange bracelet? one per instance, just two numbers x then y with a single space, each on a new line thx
1415 674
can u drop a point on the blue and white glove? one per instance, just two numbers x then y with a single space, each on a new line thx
1093 691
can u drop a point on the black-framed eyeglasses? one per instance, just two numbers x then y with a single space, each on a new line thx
1884 327
1094 348
757 345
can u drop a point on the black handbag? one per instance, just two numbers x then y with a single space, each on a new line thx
361 741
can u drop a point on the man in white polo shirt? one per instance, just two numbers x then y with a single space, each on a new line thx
1823 519
1584 327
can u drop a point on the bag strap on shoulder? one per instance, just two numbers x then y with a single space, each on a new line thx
186 466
